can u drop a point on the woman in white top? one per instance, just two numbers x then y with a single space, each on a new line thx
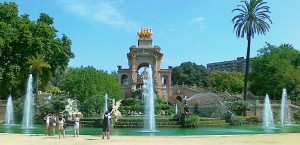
76 125
61 123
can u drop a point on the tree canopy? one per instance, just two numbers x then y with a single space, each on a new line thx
276 68
231 82
22 39
81 83
189 73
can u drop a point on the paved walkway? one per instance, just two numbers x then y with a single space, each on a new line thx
274 139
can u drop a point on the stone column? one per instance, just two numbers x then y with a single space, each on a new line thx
133 72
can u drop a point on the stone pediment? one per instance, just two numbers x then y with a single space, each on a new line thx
145 52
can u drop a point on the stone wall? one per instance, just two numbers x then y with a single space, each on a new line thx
2 110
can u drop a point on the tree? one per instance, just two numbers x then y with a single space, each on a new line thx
252 18
22 38
276 68
87 82
92 104
189 73
37 63
231 82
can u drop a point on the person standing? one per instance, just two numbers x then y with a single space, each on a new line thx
47 119
53 118
61 123
106 125
76 125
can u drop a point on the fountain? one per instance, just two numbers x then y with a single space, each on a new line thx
148 97
285 116
105 102
176 109
9 114
268 122
28 105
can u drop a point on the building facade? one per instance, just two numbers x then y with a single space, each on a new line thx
238 65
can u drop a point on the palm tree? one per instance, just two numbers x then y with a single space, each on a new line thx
250 20
37 63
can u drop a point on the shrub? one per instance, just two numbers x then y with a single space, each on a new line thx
237 105
252 120
18 110
192 121
228 117
236 120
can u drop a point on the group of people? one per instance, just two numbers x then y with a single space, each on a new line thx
51 121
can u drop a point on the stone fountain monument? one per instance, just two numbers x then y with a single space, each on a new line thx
141 56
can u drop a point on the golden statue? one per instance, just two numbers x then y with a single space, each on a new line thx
145 33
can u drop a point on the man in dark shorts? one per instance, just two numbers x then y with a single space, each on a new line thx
106 125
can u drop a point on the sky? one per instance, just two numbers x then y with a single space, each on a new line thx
200 31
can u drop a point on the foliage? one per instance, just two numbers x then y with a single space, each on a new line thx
231 82
236 120
161 105
236 105
92 104
228 116
276 68
114 74
59 102
251 19
131 104
21 39
137 104
18 109
189 73
37 63
252 120
192 121
52 89
55 105
297 116
84 82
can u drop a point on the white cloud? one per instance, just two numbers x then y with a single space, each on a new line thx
105 12
199 19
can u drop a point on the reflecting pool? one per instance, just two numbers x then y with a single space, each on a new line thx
227 130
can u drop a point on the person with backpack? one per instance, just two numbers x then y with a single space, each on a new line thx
106 125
